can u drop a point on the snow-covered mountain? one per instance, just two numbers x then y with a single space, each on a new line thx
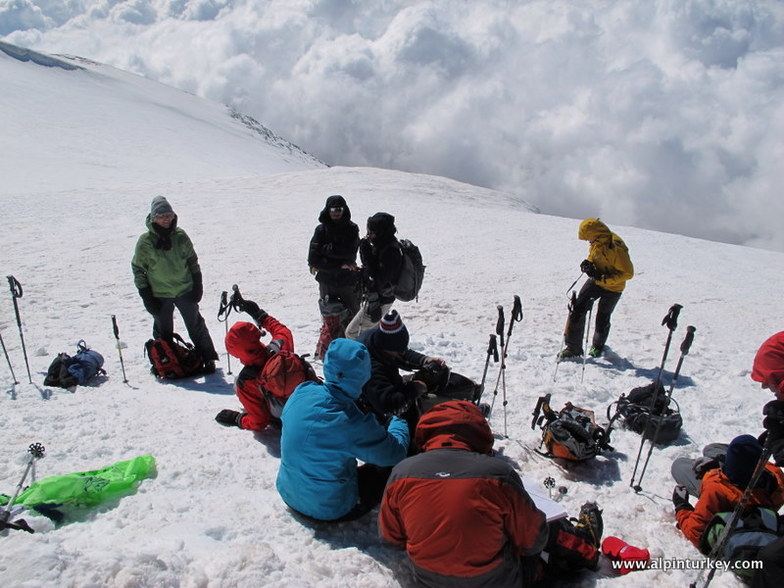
84 151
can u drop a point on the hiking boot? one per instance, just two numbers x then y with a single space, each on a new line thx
595 351
209 367
569 353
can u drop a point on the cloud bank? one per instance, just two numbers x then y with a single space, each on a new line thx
664 114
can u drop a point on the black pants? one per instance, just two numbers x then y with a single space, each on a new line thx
194 323
589 293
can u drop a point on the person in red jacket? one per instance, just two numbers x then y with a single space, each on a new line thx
461 513
243 341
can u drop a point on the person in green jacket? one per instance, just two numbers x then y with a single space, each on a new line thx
166 271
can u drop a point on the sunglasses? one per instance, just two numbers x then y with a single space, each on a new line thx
336 209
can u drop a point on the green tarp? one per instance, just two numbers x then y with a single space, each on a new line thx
85 489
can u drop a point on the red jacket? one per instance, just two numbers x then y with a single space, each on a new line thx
243 341
462 514
718 494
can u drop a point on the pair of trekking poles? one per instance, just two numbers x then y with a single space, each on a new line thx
492 352
671 322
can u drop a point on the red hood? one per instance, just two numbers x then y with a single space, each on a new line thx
243 342
769 361
455 424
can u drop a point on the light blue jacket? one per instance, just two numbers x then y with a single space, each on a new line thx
325 433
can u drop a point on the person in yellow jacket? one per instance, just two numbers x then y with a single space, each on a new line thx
608 268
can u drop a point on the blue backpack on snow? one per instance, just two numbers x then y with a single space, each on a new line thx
66 371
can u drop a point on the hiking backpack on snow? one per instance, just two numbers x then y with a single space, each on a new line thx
279 377
635 411
412 272
66 371
755 529
570 434
575 544
173 358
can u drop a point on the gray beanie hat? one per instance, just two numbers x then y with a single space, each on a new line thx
160 206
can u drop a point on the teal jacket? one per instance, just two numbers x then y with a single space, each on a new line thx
324 433
169 272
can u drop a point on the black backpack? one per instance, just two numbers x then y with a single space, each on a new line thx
570 434
636 414
412 272
575 544
66 371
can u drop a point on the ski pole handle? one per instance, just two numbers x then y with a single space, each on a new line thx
115 327
223 306
688 340
492 348
16 287
499 325
517 309
671 320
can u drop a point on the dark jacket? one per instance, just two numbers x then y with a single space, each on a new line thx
382 259
462 514
386 392
333 245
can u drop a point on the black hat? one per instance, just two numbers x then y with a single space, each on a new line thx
742 457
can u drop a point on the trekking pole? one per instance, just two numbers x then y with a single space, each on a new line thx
570 308
575 282
492 351
499 331
224 309
671 322
685 346
516 317
16 292
587 338
119 347
729 527
36 451
10 367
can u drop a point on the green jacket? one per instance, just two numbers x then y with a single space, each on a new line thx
168 272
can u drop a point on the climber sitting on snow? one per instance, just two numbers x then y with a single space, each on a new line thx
262 394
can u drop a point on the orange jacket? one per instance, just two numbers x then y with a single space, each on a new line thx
718 494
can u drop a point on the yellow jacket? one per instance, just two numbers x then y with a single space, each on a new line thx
608 253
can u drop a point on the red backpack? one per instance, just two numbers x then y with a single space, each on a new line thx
282 373
173 358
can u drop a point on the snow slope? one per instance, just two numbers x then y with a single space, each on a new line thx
212 516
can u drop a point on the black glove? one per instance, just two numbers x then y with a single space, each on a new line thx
151 303
680 498
253 310
589 269
703 464
774 420
374 311
198 288
229 418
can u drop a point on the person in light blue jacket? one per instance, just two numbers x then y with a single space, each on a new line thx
325 433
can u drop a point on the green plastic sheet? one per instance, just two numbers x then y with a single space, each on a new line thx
86 489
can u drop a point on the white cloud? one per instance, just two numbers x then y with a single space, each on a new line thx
664 114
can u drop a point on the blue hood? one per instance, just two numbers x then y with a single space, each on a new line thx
347 366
